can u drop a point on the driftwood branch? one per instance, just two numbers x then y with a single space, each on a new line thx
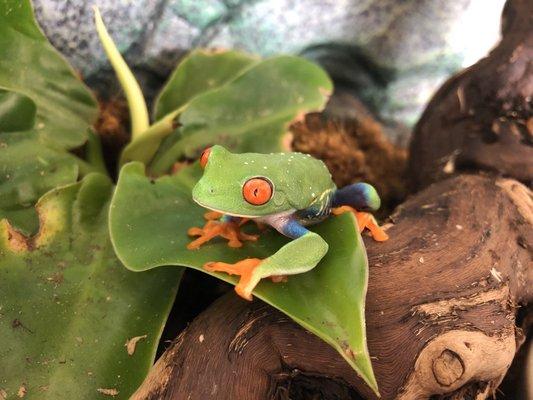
482 119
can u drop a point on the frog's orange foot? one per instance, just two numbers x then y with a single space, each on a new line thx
228 230
364 220
245 269
212 215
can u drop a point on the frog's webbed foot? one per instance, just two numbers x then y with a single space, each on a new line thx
246 269
212 215
364 220
230 230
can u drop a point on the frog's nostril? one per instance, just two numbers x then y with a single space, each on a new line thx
211 190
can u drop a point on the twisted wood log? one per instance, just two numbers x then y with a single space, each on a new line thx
482 119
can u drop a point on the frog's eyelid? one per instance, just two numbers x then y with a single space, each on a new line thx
255 192
204 158
265 179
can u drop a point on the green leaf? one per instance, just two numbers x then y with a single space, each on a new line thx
139 118
44 111
328 301
68 306
32 68
28 169
261 101
17 112
199 72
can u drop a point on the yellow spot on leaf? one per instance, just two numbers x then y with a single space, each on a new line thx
52 220
132 343
13 239
108 392
22 391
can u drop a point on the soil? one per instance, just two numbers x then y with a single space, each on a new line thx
113 128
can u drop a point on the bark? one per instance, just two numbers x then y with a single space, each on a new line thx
441 305
482 118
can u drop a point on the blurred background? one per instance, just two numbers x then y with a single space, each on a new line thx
390 54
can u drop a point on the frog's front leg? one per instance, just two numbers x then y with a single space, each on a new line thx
298 256
217 224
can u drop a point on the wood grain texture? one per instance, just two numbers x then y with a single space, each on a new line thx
482 119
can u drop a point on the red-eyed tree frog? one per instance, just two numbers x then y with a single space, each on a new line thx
287 191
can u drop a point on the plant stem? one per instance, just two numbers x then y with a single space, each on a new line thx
93 153
140 120
145 148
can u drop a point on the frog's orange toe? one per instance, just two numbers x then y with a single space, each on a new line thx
205 234
364 220
244 268
378 234
228 230
212 215
194 231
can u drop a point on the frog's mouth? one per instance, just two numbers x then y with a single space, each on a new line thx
223 211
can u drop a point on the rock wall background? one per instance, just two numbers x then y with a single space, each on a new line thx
392 54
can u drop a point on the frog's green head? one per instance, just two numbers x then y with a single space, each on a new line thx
254 185
245 185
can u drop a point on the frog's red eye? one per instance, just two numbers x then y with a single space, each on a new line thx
257 191
205 157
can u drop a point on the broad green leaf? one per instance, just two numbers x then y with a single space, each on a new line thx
17 112
149 222
262 100
199 72
67 306
31 67
44 111
28 169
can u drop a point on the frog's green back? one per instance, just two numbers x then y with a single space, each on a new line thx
301 177
298 179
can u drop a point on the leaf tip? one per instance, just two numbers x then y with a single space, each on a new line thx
97 17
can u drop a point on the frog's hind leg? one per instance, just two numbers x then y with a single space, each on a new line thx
360 196
357 197
298 256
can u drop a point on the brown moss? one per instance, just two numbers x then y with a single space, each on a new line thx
113 128
355 150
